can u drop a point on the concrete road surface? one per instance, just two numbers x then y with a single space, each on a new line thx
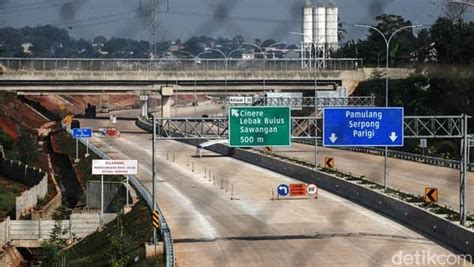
409 176
232 221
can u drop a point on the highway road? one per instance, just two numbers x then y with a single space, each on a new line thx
211 229
408 176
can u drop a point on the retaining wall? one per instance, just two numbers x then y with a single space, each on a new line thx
79 225
436 227
93 192
29 198
34 178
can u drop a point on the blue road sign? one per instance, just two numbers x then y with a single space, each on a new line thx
283 190
363 127
82 133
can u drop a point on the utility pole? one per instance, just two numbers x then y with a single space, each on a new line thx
153 143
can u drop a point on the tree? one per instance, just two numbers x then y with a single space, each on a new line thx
453 42
341 32
268 43
27 147
455 11
5 140
118 256
52 248
373 49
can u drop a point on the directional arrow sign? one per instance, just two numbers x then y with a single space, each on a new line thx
431 195
363 127
283 190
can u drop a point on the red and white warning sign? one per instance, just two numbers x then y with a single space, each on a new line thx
297 190
312 189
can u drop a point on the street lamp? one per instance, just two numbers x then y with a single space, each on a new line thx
462 2
183 52
264 61
387 43
315 101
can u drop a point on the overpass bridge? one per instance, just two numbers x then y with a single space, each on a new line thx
89 76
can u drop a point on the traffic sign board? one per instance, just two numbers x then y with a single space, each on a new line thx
240 100
423 143
259 126
68 119
297 190
431 195
82 133
312 189
114 167
363 126
329 163
283 190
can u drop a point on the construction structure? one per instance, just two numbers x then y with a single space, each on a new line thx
320 30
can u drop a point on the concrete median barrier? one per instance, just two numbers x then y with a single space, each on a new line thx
459 238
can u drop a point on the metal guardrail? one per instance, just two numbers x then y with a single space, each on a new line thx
436 161
179 64
147 197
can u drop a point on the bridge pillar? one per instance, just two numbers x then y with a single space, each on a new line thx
144 105
166 93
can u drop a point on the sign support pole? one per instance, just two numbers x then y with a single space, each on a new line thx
385 169
101 201
87 147
127 193
77 149
316 117
153 174
463 170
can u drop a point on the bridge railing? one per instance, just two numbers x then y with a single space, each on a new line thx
308 102
175 64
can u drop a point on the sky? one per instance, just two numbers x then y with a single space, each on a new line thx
182 19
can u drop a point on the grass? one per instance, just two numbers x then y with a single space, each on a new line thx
9 190
96 249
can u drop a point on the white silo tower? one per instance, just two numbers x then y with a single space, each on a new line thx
332 28
307 40
319 27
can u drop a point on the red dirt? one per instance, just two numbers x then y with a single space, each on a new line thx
77 104
8 126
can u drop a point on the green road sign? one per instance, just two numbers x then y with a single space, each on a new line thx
259 126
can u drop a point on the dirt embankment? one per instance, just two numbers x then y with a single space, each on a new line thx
77 104
15 115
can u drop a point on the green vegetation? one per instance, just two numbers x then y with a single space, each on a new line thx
9 190
27 147
421 95
447 41
119 244
9 145
53 248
